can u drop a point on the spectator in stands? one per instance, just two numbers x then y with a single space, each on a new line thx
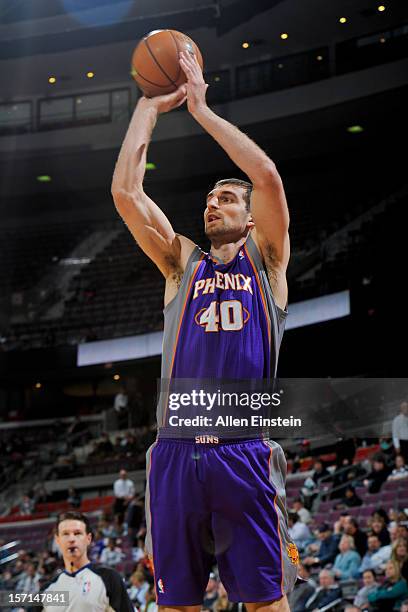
350 499
40 494
379 528
74 498
376 555
395 516
389 595
97 545
123 490
360 538
382 515
319 471
6 581
29 580
303 590
27 506
18 567
150 600
400 432
138 552
345 450
120 406
309 492
387 448
129 445
341 523
302 512
342 478
105 446
222 604
138 589
211 592
369 586
112 554
328 549
134 517
378 474
47 565
298 531
312 485
400 555
402 530
327 592
400 470
347 561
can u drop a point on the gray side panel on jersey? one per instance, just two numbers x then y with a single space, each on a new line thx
172 319
277 477
148 539
277 316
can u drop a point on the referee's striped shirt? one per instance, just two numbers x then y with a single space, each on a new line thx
92 588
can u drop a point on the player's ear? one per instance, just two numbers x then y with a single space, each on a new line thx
89 538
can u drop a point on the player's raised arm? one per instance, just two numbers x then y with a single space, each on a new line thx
148 224
268 203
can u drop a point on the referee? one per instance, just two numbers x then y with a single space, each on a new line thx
90 588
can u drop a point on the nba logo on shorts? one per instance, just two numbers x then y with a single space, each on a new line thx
160 585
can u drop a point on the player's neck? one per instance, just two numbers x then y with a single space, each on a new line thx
224 253
73 566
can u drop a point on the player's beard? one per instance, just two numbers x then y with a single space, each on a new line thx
217 229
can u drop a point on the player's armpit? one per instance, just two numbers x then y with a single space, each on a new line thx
271 216
274 267
151 229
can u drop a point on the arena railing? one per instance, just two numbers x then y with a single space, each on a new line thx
5 548
327 492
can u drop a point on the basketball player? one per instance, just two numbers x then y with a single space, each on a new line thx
224 317
90 587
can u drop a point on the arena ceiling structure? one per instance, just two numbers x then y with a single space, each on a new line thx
62 36
67 38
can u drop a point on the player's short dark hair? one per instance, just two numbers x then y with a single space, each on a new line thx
74 516
246 186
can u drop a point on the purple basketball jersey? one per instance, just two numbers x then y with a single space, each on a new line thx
224 322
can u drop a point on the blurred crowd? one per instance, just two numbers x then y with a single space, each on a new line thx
354 564
362 562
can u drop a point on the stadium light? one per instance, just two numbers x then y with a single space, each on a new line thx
116 377
90 75
245 45
381 8
284 36
355 129
44 178
342 20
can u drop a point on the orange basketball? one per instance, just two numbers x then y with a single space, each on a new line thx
155 61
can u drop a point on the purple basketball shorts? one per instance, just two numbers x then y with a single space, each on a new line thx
218 503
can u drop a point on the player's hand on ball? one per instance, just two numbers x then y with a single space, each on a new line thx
166 103
196 86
